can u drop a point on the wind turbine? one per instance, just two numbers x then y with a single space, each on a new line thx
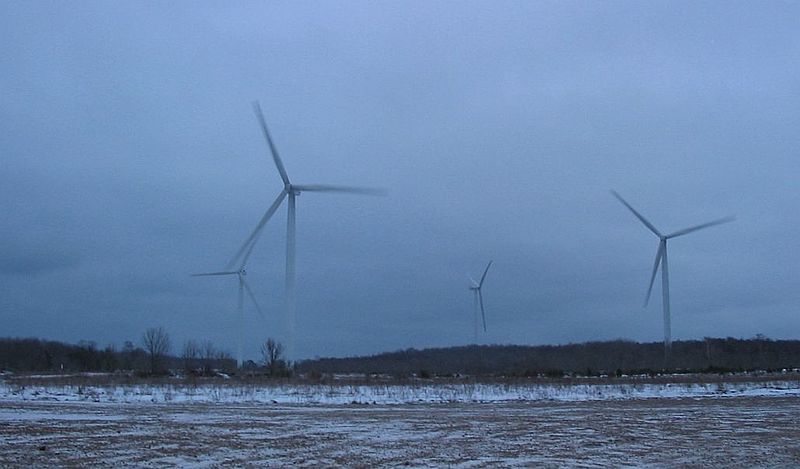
292 191
243 287
477 299
661 258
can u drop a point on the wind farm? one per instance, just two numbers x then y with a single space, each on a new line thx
374 234
292 191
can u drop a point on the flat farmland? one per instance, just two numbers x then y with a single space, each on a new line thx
728 431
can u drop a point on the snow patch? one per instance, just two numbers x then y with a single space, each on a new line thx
342 394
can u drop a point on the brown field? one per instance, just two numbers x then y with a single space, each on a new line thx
738 431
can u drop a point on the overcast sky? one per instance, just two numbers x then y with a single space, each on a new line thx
130 158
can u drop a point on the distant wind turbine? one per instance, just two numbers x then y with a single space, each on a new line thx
292 191
243 287
661 258
477 300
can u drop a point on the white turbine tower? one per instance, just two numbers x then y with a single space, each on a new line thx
292 191
661 258
477 299
243 287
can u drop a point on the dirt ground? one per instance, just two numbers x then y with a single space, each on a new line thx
662 432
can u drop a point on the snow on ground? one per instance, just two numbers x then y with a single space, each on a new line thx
390 394
740 424
729 432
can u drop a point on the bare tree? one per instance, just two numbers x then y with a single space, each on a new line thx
207 355
191 352
272 356
156 344
225 362
127 355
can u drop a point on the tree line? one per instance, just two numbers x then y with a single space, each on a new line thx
152 356
590 358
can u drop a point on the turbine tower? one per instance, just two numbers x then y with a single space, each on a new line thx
292 191
477 299
661 258
243 287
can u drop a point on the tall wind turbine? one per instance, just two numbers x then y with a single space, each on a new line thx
243 287
661 258
292 191
477 299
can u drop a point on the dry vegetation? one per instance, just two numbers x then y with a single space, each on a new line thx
132 379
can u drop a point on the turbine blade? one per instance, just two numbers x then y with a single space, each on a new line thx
252 297
638 215
250 242
700 227
344 189
275 156
661 247
484 274
213 273
483 313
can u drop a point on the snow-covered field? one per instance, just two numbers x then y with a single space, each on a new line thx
737 431
726 424
338 394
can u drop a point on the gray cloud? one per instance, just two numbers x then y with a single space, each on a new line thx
131 159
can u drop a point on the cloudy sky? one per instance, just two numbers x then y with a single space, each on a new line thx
130 157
